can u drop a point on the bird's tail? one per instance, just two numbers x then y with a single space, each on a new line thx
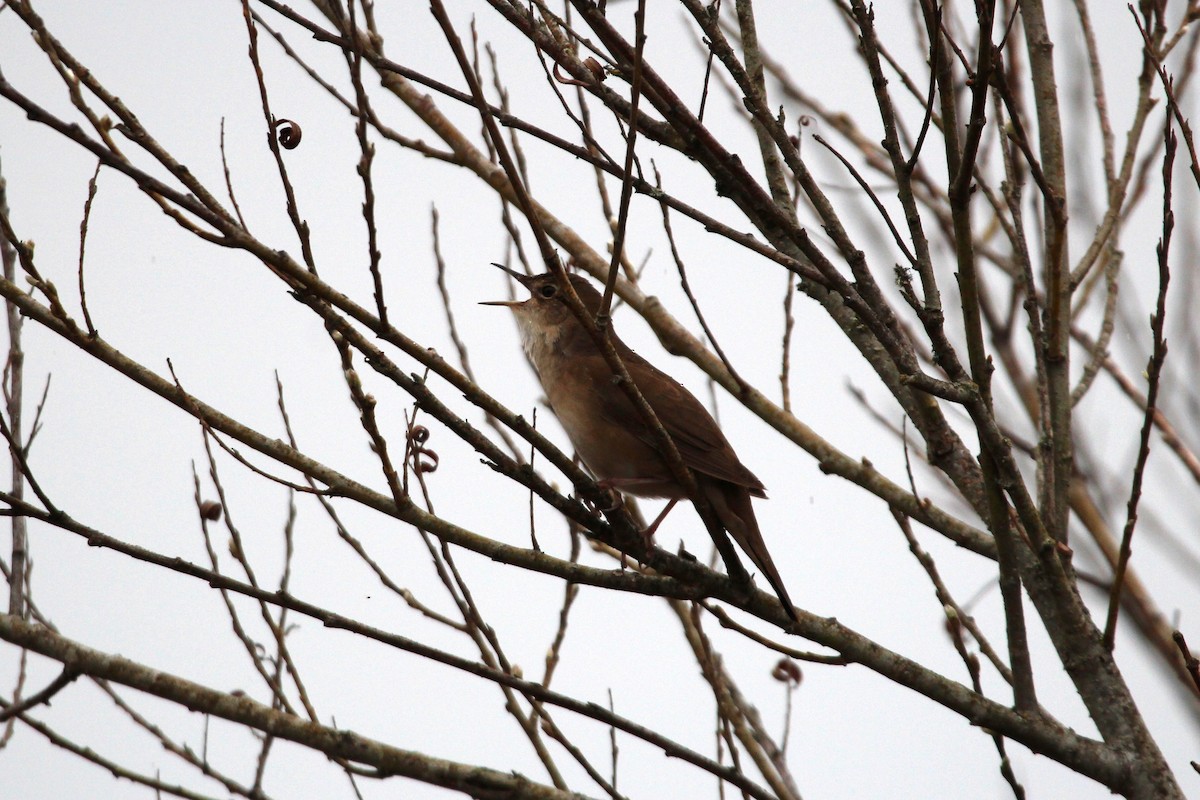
732 506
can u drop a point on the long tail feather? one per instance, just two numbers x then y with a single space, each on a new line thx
732 506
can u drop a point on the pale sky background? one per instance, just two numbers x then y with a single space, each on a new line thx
121 461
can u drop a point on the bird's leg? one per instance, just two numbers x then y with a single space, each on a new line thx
648 534
628 483
614 484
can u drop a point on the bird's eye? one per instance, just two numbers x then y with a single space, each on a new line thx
548 291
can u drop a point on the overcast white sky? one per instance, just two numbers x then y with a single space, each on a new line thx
121 461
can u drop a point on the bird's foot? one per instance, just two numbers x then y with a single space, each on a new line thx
647 538
613 497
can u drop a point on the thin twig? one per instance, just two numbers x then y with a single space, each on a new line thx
954 612
237 209
300 226
460 346
83 231
1190 662
344 533
799 655
363 112
1153 373
1168 85
13 384
870 192
37 698
631 131
687 288
785 348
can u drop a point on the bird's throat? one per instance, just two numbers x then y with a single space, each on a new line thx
542 343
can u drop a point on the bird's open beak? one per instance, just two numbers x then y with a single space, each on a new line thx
519 278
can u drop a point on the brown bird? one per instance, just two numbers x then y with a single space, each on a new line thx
611 436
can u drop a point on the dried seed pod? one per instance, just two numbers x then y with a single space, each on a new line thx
566 79
287 133
423 459
211 510
430 462
596 68
787 671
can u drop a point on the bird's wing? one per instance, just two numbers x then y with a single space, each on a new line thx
695 433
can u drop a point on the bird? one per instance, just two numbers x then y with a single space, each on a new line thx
612 437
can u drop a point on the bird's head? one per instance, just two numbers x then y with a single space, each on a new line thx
545 317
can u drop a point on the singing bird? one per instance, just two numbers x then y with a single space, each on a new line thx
612 437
